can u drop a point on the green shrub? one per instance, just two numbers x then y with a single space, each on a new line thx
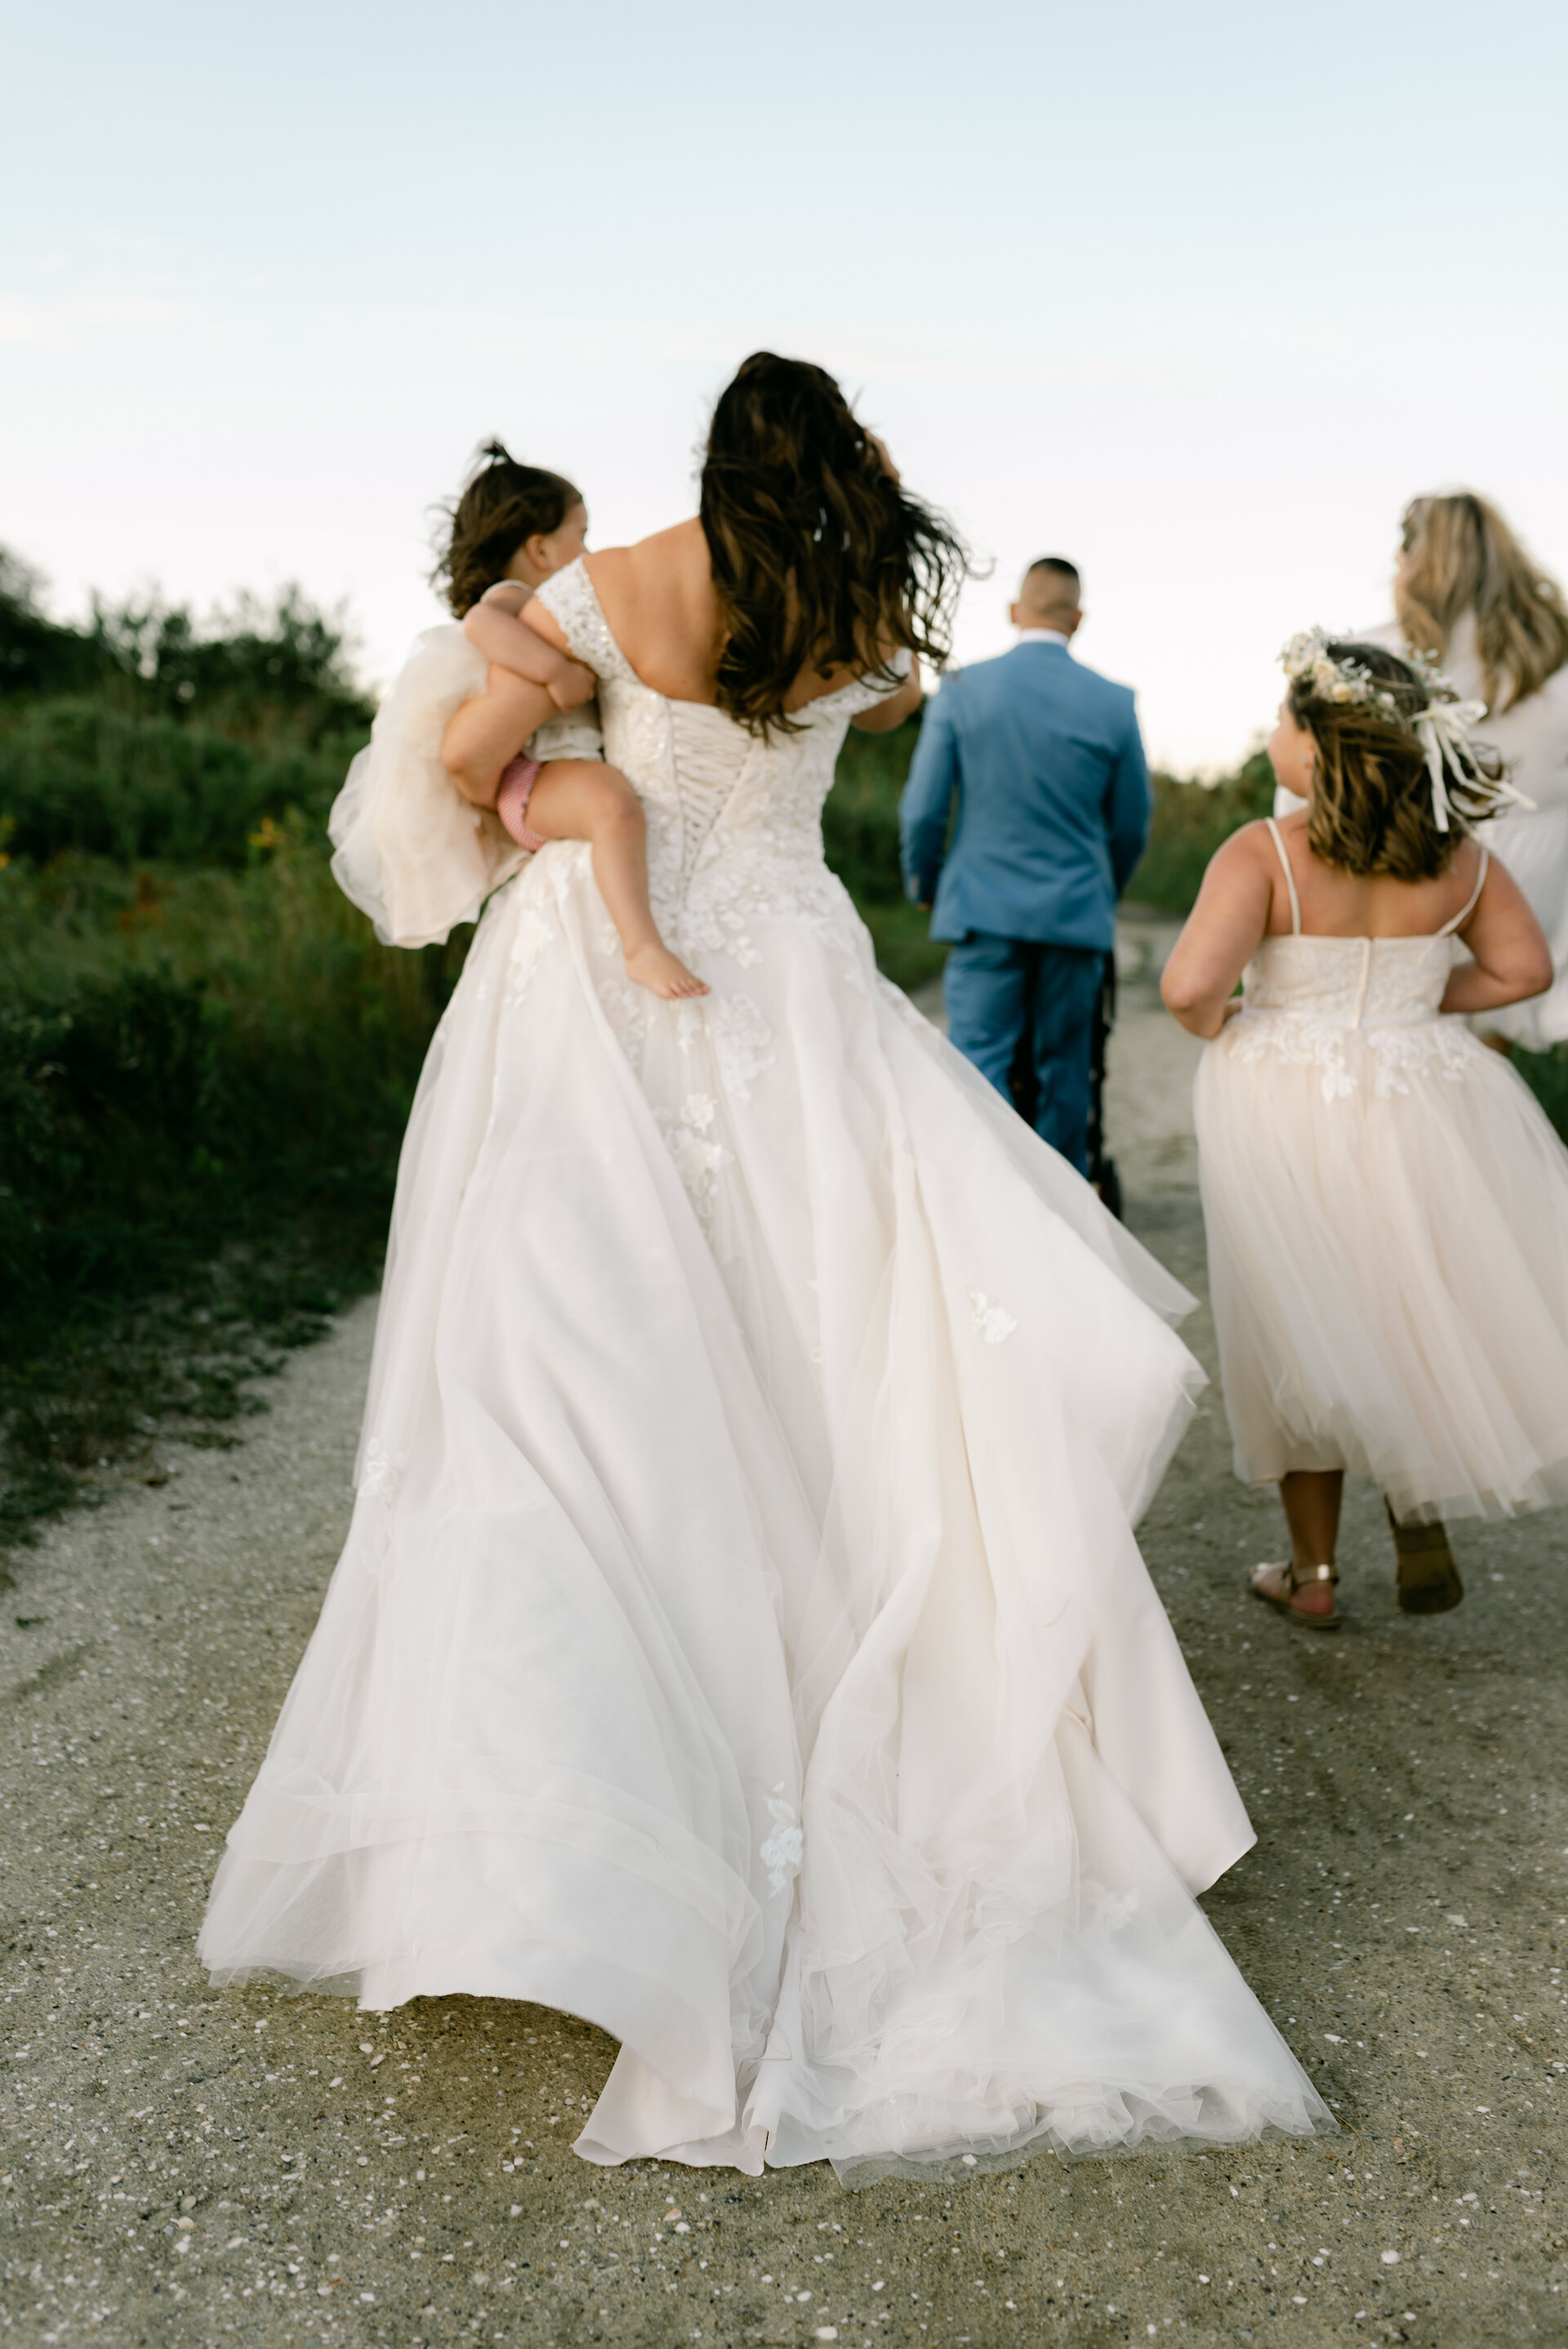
1190 822
84 773
204 1079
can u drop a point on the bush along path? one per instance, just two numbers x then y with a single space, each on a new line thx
183 2166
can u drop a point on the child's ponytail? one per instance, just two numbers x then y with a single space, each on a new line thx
501 504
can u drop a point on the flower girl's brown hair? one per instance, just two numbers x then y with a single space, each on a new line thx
1372 796
501 504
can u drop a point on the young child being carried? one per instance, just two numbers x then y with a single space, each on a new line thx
410 853
1385 1202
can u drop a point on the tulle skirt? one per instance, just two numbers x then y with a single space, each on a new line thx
741 1641
1387 1230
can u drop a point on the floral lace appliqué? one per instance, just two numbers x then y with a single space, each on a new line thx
1426 1048
780 1855
992 1321
697 1151
383 1476
630 1011
739 1037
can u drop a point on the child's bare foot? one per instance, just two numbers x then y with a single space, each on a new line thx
662 973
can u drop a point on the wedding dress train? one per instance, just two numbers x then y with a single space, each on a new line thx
741 1641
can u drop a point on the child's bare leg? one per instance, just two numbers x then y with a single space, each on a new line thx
1312 1498
580 799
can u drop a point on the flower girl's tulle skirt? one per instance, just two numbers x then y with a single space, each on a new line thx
1387 1227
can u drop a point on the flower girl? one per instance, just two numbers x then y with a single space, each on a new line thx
429 822
1386 1205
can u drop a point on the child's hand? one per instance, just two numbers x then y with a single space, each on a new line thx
662 973
572 687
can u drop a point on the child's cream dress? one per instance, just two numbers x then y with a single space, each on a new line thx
1387 1208
412 852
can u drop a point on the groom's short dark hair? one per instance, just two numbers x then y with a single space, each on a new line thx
1060 567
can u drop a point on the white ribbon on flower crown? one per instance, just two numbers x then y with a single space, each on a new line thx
1447 727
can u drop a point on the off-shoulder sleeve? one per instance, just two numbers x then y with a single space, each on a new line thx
867 691
568 596
411 852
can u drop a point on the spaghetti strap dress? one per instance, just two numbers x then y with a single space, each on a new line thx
1387 1212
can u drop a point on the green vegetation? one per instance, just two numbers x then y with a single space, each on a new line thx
859 836
206 1060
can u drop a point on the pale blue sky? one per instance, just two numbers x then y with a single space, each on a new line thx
1198 295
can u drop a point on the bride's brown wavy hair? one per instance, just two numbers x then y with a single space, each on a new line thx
1371 788
820 558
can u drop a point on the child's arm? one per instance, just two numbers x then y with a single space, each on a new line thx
581 799
486 731
1222 933
1512 959
494 627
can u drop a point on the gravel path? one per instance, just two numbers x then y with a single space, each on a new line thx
183 2166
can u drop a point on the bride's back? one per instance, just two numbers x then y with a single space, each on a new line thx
662 610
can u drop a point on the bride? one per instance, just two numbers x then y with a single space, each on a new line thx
741 1640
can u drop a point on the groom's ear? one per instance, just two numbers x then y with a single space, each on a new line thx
1016 613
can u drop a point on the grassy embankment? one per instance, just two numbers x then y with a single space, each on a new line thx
206 1060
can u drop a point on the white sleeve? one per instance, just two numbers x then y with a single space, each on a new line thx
411 852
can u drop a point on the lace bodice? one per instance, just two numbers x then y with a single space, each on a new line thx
1350 982
730 818
1306 997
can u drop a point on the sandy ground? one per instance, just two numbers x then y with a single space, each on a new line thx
183 2166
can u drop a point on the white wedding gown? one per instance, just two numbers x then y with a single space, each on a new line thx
741 1641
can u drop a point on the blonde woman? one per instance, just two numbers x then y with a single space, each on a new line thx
1466 591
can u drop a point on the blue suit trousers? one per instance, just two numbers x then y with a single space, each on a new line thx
998 989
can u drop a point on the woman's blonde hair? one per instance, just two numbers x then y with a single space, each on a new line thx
1462 556
1372 801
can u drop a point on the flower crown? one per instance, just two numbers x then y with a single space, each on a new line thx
1307 660
1444 727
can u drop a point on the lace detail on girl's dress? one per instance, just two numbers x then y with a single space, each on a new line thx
568 596
1443 1048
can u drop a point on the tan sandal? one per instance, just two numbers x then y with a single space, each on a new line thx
1294 1579
1428 1580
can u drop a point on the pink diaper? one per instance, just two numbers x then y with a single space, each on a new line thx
517 781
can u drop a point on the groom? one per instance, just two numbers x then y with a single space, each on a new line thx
1044 761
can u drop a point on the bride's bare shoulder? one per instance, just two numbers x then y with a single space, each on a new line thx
678 551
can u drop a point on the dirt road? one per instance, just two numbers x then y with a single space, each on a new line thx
183 2166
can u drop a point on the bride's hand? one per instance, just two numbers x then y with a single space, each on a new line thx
875 441
574 686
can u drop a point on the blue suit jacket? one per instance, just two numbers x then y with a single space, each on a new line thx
1052 785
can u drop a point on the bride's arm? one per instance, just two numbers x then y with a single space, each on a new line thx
1222 935
893 707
